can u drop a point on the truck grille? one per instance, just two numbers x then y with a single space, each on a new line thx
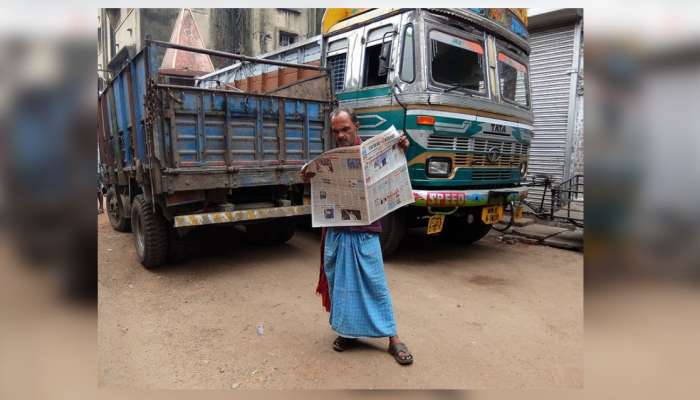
440 142
473 152
480 160
491 175
506 160
437 142
463 160
484 145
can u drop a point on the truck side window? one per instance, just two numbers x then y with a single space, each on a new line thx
378 43
372 74
407 56
337 64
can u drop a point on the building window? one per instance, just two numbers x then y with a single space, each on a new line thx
287 38
337 64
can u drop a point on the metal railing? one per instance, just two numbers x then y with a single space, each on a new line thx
566 199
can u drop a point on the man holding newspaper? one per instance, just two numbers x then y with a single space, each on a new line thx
352 187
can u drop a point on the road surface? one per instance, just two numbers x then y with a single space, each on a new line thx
489 315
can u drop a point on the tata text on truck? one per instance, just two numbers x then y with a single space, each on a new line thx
455 80
176 157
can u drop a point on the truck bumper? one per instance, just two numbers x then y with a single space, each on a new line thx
468 198
223 217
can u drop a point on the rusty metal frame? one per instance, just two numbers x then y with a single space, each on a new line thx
114 134
234 56
281 125
107 157
223 91
223 217
200 129
132 113
237 178
170 114
227 138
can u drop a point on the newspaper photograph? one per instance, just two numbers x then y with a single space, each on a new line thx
357 185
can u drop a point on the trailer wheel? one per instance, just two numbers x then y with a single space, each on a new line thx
459 230
117 219
269 233
393 231
150 233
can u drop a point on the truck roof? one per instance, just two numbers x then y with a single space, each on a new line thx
335 19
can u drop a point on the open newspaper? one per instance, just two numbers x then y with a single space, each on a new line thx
357 185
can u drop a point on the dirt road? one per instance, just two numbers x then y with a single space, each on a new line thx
491 315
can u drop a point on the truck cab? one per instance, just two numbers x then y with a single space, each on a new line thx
456 81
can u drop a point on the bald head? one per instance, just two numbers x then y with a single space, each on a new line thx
344 126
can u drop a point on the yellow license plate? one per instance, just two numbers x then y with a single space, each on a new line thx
491 215
435 223
518 213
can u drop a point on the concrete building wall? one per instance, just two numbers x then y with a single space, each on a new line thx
158 24
267 25
127 32
249 31
101 52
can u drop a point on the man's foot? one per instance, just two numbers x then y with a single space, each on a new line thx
400 353
342 343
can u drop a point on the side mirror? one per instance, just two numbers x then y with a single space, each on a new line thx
384 57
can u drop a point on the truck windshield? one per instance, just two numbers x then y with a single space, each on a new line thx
456 62
512 76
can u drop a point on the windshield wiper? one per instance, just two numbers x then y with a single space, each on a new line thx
457 86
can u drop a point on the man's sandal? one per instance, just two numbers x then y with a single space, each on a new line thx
342 343
396 349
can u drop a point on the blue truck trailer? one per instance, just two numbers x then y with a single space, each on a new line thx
175 156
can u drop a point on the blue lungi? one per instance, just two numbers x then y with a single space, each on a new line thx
360 299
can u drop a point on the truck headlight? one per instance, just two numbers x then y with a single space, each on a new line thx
439 167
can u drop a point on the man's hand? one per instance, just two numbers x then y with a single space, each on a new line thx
306 175
404 143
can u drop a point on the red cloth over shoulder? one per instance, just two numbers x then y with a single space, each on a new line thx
322 286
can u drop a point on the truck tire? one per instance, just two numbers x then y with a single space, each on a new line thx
117 219
150 233
459 230
269 233
393 231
